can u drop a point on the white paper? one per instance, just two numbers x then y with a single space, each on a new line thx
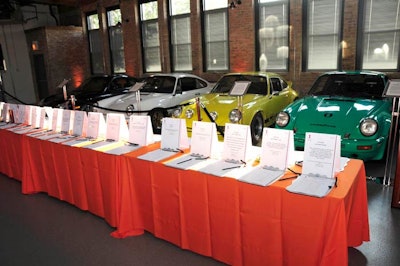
321 155
157 155
204 139
117 129
277 147
125 148
174 134
57 119
187 161
312 186
221 168
262 176
80 123
96 127
140 130
5 117
237 142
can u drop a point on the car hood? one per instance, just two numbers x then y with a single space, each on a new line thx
226 102
121 102
334 115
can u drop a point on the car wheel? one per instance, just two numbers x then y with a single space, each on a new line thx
156 116
256 129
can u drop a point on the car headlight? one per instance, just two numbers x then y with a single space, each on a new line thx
235 115
130 109
189 113
368 127
282 119
177 112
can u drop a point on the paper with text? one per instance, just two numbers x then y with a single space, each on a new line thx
204 139
237 142
79 127
140 130
96 127
116 127
174 134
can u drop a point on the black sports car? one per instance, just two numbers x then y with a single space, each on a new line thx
93 89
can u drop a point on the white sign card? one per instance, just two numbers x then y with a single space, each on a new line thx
46 114
321 155
174 134
237 142
79 127
140 130
204 139
28 115
240 88
137 86
57 119
36 112
277 148
117 129
67 117
5 116
1 107
96 127
392 88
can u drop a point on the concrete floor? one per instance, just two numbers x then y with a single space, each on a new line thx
41 230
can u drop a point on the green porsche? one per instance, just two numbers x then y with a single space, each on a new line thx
349 104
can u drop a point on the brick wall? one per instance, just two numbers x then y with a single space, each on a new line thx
242 42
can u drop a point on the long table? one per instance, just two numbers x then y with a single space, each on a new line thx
234 222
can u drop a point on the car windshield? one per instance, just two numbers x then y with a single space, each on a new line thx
258 84
348 85
159 84
95 84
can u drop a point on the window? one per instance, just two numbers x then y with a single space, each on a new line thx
273 34
323 34
216 34
276 85
180 35
116 40
150 36
95 46
188 84
380 35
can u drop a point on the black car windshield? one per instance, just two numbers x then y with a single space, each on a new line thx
95 84
160 84
258 84
349 85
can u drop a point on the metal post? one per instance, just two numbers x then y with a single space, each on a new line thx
391 142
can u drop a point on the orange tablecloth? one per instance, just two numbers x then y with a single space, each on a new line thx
240 223
11 153
234 222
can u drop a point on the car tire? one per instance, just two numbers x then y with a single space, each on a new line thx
256 129
156 116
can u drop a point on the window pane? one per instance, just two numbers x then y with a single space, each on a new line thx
216 37
180 7
273 35
96 54
93 22
324 20
151 45
149 10
181 43
381 35
113 17
117 49
215 4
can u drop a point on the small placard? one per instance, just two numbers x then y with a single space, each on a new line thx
137 86
140 130
80 123
237 142
96 127
277 148
57 119
240 88
392 88
174 134
204 139
117 129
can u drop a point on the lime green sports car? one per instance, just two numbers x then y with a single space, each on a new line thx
349 104
253 99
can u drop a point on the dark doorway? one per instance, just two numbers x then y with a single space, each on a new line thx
40 74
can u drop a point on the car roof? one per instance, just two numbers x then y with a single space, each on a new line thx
355 72
255 73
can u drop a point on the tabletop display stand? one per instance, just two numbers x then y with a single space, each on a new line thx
239 89
393 90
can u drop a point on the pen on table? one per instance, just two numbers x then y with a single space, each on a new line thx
289 177
233 167
132 144
184 161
